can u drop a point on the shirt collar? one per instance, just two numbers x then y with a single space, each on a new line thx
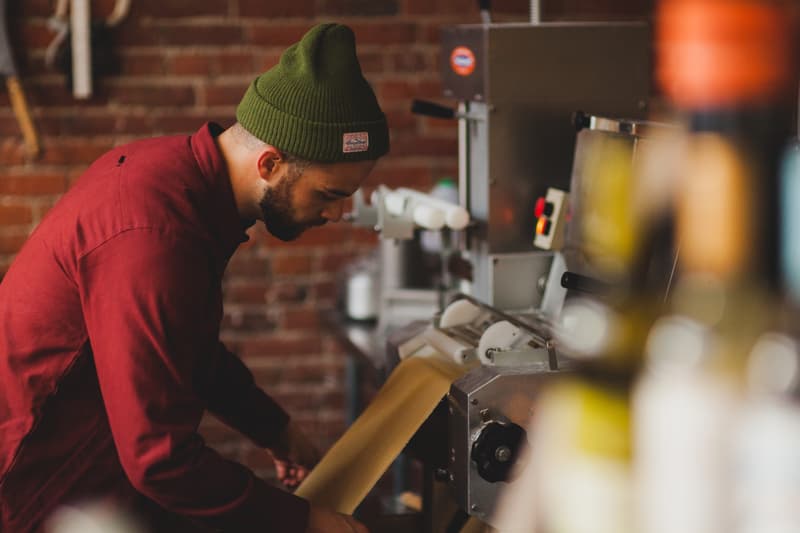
225 222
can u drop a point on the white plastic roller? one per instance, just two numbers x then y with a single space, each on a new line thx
459 313
499 336
455 216
427 212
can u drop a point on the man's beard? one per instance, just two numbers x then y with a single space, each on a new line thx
276 208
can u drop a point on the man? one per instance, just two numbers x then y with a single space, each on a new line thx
109 316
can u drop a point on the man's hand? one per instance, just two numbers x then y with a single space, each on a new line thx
324 521
294 456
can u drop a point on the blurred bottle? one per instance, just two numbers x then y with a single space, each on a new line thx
765 466
728 68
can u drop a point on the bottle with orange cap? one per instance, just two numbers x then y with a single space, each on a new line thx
728 68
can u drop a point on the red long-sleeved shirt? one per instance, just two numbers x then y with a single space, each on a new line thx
109 351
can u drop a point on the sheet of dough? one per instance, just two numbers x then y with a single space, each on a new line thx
358 459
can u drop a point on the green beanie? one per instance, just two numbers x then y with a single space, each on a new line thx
315 103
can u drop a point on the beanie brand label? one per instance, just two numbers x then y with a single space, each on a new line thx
355 142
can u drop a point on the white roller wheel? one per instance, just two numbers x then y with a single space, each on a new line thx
459 313
499 336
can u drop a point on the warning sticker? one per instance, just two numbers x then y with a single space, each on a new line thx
462 61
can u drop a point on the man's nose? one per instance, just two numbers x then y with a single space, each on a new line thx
333 211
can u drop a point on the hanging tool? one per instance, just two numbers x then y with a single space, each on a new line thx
18 101
83 48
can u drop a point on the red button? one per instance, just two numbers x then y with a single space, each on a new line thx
539 209
543 207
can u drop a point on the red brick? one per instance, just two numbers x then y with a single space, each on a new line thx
42 207
401 176
407 61
247 266
11 215
199 34
424 146
250 293
334 261
154 96
220 95
267 60
135 33
298 400
314 372
465 11
235 63
10 244
301 319
276 34
248 321
268 375
141 64
74 125
430 88
402 119
325 292
48 93
518 7
431 33
396 90
364 236
384 33
194 63
179 8
371 62
33 184
101 9
448 128
186 123
29 8
359 7
135 125
12 152
291 265
273 10
36 34
279 346
75 152
288 293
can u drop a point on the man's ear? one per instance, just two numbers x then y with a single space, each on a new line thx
269 162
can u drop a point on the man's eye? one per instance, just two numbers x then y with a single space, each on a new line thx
328 197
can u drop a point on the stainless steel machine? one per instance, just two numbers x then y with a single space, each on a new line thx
518 88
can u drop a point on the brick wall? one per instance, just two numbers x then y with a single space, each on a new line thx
179 63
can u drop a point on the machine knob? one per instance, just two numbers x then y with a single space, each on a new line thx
496 450
581 120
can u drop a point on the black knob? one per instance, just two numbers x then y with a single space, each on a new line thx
581 120
496 450
578 282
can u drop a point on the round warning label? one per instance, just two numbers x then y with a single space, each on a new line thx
462 61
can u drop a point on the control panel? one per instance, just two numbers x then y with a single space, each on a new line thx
551 218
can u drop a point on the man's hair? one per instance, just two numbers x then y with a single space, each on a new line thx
298 165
